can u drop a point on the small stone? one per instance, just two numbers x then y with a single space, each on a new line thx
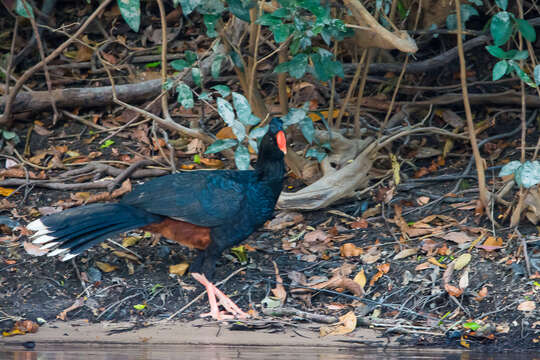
164 252
94 275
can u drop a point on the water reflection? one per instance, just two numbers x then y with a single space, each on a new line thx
208 352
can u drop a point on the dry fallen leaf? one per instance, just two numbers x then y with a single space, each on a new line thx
105 267
464 280
347 324
435 262
348 250
527 306
283 220
459 237
179 269
452 290
6 191
34 250
360 278
482 294
405 253
462 261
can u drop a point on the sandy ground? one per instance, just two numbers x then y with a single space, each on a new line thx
199 332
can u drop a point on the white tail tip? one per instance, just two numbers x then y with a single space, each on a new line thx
36 225
57 251
69 256
43 239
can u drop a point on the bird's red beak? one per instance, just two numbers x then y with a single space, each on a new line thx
281 141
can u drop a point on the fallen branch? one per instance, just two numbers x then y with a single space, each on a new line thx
336 185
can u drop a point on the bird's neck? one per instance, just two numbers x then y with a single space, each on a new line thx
270 169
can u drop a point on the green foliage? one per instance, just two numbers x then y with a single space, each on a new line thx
526 174
10 136
301 21
502 26
238 117
131 12
106 144
20 9
298 116
467 11
184 96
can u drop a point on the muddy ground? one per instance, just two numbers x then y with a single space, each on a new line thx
405 298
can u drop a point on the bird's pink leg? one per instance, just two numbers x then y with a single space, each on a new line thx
228 304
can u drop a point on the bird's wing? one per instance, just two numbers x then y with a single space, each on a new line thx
204 198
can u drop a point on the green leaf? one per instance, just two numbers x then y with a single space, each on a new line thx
281 32
499 70
308 130
537 74
520 55
236 60
179 64
196 75
268 20
509 168
225 110
522 74
190 57
223 90
467 11
238 130
317 154
188 6
8 135
503 4
168 85
205 95
197 158
281 12
296 67
21 10
324 65
131 12
220 145
258 132
526 30
155 287
496 51
241 105
106 144
293 117
528 174
241 157
185 96
501 27
240 9
139 306
210 23
478 2
152 65
215 68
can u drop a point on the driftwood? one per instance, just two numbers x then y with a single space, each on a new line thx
332 187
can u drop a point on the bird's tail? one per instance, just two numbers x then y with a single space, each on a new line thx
74 230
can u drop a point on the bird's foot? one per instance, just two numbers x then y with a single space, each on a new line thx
234 312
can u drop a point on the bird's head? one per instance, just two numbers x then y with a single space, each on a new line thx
276 131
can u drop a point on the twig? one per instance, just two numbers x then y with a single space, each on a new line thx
127 173
470 124
393 100
84 121
42 55
28 73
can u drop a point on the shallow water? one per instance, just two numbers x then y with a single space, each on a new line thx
208 352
